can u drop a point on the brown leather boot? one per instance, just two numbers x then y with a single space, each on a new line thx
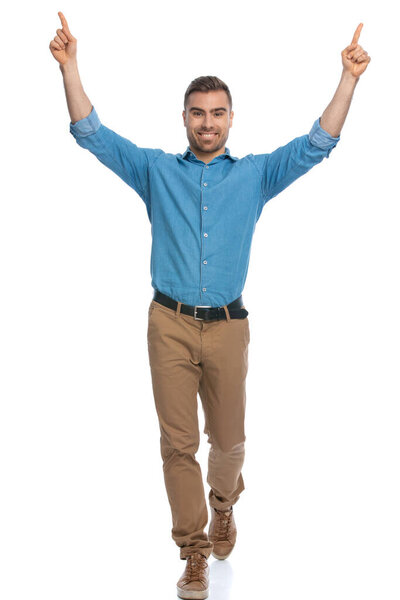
222 532
195 579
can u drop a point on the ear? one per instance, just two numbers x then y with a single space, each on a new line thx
184 117
231 118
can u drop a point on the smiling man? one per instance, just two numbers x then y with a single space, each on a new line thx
203 206
208 117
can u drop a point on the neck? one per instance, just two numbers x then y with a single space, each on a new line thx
207 157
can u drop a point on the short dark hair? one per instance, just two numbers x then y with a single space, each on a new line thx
207 83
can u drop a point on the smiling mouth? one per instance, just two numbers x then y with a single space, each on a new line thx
207 136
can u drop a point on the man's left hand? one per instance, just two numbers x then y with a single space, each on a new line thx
354 58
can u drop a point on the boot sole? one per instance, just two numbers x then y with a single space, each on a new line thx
192 594
220 556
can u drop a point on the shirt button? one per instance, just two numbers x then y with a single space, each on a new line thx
204 262
206 235
205 184
204 289
207 167
205 208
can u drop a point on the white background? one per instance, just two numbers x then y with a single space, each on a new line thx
83 507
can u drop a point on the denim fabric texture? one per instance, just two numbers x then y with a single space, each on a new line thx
203 216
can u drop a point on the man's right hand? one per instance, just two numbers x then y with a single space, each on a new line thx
64 45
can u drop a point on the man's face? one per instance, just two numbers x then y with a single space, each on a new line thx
207 120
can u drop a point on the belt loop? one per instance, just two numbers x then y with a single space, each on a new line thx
178 309
228 316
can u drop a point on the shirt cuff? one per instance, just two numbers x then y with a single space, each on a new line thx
321 138
86 126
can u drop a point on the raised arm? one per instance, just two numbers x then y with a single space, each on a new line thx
284 165
64 50
130 162
355 60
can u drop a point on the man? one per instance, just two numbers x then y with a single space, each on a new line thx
203 206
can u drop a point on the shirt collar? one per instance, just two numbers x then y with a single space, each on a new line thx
191 156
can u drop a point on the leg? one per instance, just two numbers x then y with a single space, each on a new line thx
223 394
173 345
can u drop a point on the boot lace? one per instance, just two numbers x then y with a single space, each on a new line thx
224 519
195 565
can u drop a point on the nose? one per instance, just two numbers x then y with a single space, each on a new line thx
208 121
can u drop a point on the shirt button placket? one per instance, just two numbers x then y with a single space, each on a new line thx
205 234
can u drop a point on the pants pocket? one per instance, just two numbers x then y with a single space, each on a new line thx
151 309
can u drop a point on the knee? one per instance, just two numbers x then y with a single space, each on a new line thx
178 448
228 448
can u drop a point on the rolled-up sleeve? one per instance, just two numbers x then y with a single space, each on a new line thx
321 138
86 126
130 162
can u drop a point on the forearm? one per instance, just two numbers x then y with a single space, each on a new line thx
334 115
79 105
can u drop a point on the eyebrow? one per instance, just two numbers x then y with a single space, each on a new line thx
212 110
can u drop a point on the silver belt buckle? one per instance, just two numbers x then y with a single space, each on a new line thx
200 306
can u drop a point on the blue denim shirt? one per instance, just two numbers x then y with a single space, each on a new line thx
202 216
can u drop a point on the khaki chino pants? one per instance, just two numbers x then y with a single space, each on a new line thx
187 357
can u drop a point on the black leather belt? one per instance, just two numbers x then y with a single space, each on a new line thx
204 313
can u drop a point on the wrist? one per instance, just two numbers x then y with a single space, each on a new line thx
70 66
348 77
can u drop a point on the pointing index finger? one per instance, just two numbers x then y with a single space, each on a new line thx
357 34
64 24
